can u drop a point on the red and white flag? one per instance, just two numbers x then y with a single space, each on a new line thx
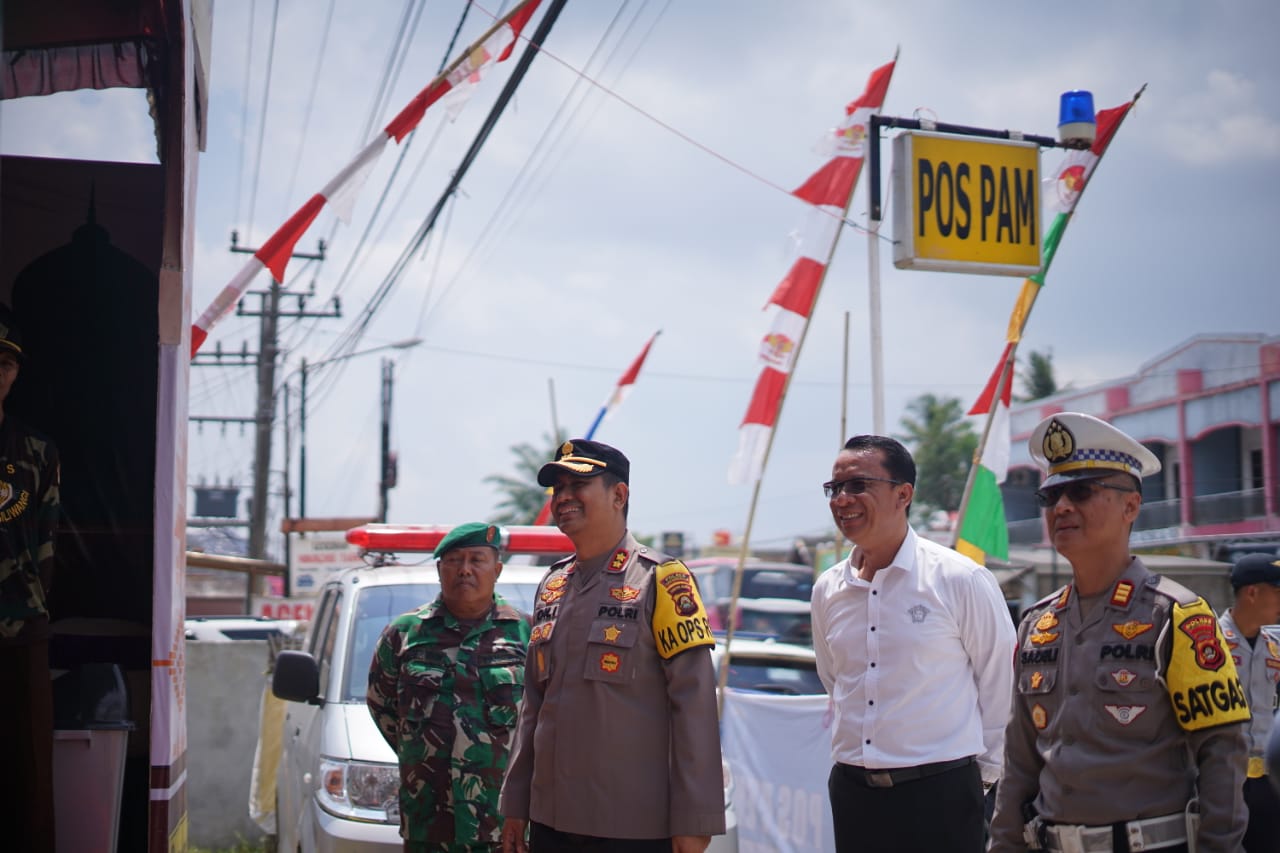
341 192
829 190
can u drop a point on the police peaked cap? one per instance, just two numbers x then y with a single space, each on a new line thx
584 458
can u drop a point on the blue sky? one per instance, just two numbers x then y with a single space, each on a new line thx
619 227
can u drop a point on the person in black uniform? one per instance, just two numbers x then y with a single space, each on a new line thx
29 511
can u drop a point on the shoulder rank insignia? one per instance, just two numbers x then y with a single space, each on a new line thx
1046 621
1273 648
619 560
1131 629
679 619
1064 598
1203 685
1123 592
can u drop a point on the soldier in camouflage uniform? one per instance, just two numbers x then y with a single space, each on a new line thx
444 687
29 511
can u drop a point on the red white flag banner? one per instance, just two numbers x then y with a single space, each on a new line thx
829 190
340 193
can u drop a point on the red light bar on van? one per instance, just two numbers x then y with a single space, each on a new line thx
518 539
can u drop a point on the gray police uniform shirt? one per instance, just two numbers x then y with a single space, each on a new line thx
614 741
1095 737
1259 668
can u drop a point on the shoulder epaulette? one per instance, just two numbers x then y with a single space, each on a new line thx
1176 591
652 555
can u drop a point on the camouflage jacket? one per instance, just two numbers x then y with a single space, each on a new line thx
29 511
444 695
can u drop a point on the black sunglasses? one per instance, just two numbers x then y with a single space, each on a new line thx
853 485
1078 491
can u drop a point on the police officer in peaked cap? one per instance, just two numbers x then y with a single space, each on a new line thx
1128 725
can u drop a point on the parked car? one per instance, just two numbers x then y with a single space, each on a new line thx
773 600
767 666
338 781
224 629
787 620
760 578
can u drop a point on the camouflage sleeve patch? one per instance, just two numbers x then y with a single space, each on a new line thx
679 619
1203 685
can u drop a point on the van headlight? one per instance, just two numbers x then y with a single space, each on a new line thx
358 790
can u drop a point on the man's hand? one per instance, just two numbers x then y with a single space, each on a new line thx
513 832
682 843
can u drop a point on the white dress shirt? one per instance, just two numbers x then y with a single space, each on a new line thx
918 661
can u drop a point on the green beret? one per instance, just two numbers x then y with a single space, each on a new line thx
468 535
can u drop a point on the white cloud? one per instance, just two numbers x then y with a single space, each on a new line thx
1220 122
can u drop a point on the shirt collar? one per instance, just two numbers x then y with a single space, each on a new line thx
905 559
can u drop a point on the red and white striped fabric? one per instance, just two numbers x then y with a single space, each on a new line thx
341 192
828 190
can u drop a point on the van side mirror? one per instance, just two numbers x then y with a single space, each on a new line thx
297 678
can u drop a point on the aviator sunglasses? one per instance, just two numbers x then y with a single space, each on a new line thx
1078 491
853 485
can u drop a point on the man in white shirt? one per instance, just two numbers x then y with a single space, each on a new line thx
915 647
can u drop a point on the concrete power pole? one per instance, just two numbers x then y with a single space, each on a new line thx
388 461
265 410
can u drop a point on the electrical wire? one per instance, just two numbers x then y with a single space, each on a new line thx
517 194
244 108
311 100
262 125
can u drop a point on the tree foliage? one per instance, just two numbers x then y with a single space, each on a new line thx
942 442
523 497
1037 377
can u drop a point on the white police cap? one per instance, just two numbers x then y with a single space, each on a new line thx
1072 446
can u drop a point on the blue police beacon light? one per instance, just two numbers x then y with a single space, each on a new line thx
1077 126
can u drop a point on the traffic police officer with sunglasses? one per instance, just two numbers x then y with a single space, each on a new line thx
1128 718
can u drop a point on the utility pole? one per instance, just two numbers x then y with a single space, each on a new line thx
264 416
388 462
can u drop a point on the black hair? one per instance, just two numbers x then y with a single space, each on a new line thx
897 459
610 480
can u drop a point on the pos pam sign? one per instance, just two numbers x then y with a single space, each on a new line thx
964 205
314 559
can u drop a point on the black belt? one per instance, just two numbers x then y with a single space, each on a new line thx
897 775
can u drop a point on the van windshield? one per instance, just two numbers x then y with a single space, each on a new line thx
376 606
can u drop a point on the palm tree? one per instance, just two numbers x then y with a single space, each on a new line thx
942 442
1038 380
523 496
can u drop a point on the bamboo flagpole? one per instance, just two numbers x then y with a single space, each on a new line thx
830 191
975 539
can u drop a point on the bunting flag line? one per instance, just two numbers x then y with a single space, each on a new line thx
829 190
619 393
982 528
341 192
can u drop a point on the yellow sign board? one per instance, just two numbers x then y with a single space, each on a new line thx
966 205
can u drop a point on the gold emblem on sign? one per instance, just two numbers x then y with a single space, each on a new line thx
1058 443
1046 621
